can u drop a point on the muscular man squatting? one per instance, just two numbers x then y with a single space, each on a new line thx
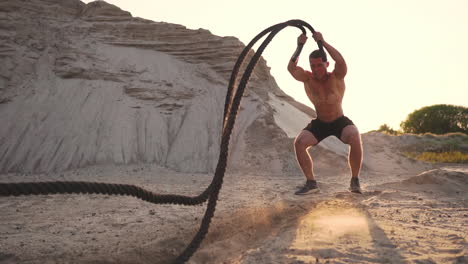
325 90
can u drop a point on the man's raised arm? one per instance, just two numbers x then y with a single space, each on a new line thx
297 72
340 64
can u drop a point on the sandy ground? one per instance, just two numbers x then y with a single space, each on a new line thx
410 219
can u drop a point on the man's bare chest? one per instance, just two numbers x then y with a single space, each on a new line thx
325 92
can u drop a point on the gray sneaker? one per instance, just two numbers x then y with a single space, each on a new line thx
355 187
309 187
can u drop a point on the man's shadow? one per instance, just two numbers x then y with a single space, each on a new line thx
383 251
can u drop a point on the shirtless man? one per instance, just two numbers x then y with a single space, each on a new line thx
325 90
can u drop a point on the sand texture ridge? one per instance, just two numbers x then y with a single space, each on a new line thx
84 84
90 93
409 218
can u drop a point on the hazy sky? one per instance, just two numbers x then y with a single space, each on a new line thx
401 54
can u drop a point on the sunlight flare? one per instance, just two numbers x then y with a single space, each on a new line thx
331 222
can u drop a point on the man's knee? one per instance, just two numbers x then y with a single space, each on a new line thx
351 136
355 139
304 141
300 143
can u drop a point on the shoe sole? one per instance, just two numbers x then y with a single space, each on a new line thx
309 192
355 191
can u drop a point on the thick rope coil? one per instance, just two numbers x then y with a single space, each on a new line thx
231 107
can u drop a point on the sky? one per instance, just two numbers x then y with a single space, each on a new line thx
401 54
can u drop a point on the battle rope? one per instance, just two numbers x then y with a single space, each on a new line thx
211 193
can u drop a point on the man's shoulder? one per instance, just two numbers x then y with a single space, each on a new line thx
308 74
333 74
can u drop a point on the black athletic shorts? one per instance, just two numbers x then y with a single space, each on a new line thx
321 129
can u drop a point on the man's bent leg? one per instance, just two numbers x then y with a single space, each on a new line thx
350 135
302 142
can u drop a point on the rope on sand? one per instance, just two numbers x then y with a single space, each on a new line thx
231 107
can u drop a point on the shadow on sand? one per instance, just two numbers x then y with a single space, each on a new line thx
336 230
331 230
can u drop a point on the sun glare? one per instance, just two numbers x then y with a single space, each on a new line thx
329 225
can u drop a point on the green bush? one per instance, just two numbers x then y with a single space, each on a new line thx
437 119
387 129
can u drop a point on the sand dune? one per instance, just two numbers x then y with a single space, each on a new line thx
415 219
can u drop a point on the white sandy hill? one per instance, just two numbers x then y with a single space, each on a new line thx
84 84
